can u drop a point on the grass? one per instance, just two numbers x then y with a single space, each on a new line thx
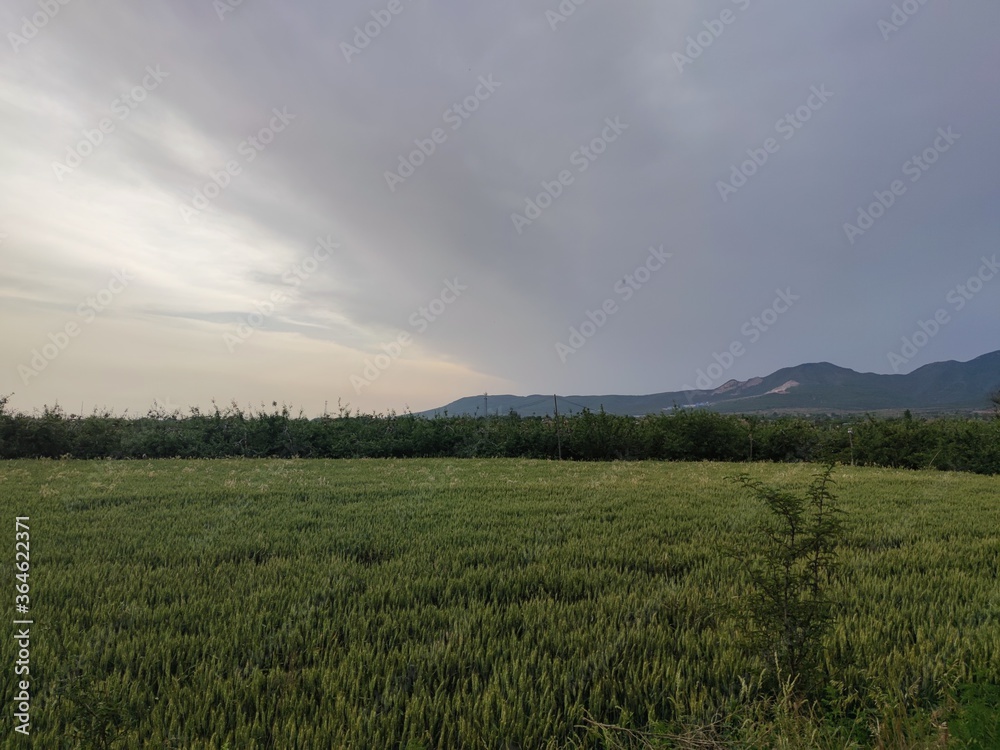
483 604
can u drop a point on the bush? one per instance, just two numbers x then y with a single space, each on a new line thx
789 563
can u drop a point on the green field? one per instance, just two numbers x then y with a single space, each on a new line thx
475 604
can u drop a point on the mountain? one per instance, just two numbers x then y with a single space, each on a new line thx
810 388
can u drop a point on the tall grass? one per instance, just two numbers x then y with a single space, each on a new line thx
498 604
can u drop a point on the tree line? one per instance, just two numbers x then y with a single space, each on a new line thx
953 443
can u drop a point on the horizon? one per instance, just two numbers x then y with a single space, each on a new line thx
170 408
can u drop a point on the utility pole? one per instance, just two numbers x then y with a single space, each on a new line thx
486 405
555 401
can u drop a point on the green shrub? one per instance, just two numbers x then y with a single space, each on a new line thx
789 563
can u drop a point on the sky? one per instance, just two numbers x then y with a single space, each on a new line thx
393 204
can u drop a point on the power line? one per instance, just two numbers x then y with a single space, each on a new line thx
532 403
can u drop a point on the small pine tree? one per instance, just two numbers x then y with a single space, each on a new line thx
790 563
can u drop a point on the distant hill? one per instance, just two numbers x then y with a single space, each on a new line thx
809 388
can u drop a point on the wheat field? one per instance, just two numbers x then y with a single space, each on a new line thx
470 603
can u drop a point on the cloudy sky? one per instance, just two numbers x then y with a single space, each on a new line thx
400 203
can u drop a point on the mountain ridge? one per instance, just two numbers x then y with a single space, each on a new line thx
813 387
